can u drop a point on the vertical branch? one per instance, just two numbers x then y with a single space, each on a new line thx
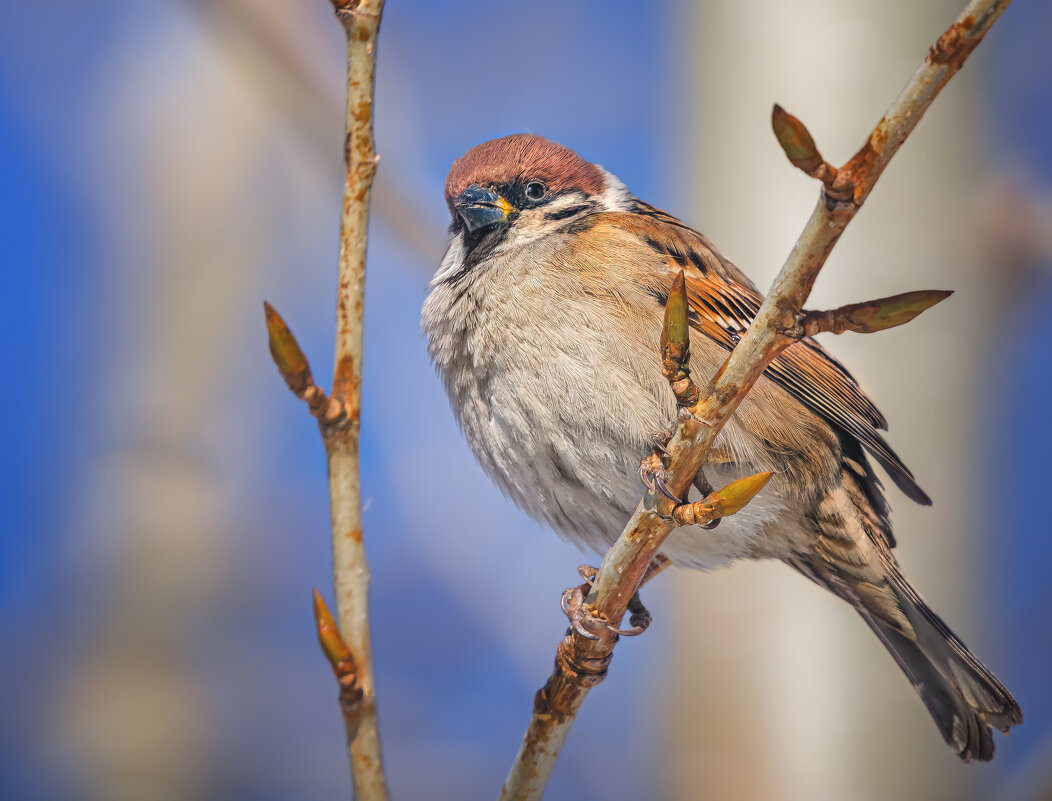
361 23
347 645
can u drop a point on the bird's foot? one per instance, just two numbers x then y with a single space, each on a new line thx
581 618
639 617
654 476
586 623
659 440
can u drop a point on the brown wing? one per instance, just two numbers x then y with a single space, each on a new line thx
725 302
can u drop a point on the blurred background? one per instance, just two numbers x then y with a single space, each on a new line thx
168 164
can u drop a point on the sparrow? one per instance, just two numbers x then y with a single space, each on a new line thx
543 321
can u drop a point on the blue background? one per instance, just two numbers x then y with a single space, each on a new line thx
454 698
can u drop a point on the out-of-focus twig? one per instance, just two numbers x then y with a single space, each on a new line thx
270 63
581 662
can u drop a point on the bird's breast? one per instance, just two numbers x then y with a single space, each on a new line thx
558 396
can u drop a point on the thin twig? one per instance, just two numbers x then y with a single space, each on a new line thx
267 61
868 317
361 23
348 646
581 662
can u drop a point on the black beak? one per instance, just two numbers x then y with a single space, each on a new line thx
480 208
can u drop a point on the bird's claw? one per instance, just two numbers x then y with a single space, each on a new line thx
660 440
583 621
654 476
639 617
685 415
576 612
659 482
645 474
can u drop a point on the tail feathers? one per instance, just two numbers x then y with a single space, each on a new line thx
851 556
963 697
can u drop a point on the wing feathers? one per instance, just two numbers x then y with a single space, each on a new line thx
725 302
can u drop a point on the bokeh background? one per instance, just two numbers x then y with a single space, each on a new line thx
167 164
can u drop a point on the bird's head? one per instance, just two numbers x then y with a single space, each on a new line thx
511 190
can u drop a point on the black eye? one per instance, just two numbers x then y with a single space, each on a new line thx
535 190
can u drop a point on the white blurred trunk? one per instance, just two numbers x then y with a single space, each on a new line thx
778 689
184 136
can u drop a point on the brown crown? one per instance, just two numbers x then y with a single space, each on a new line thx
523 157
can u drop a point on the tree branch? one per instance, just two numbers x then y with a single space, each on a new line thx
348 646
361 23
581 662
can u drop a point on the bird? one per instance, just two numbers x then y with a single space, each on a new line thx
542 321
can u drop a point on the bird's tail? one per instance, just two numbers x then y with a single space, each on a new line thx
962 695
852 558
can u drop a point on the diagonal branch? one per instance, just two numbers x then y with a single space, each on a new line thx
581 662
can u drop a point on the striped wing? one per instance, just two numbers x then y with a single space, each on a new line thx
725 301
